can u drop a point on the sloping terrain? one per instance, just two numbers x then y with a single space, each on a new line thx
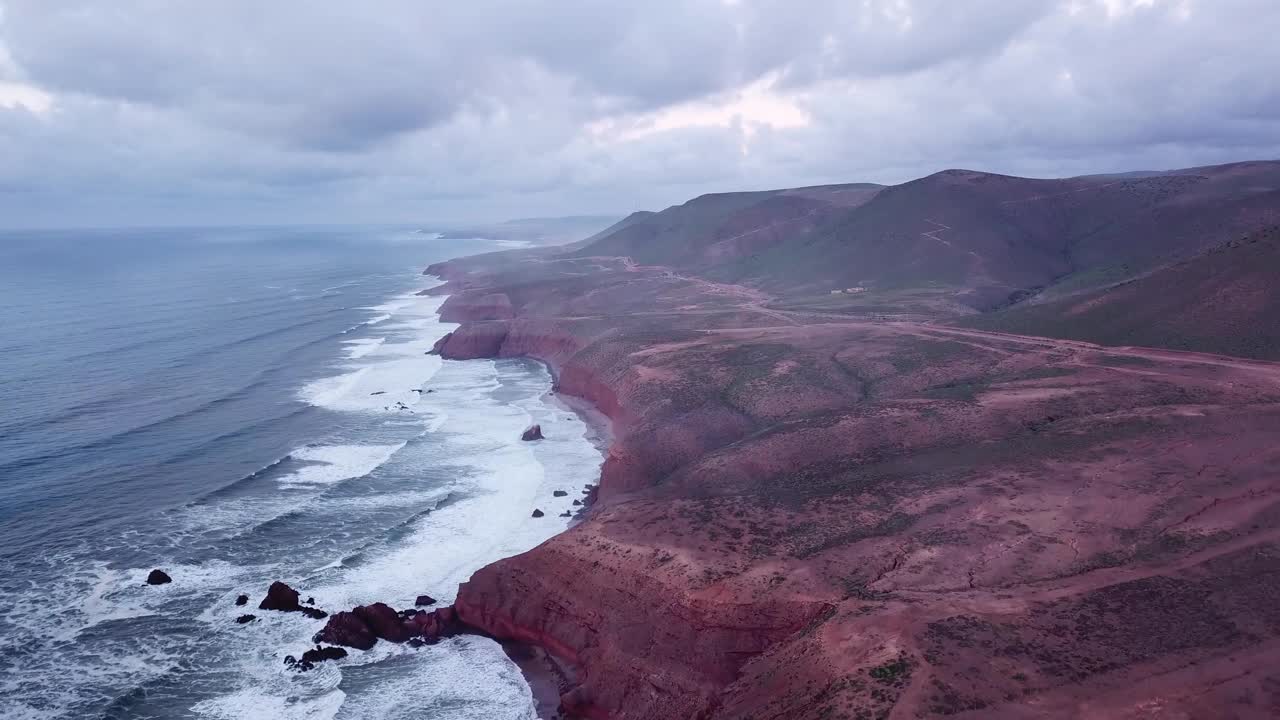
985 240
804 516
868 504
713 229
1224 301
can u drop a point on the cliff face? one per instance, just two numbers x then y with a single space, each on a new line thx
806 515
645 645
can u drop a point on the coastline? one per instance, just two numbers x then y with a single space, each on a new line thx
778 484
549 678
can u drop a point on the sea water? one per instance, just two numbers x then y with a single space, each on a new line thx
237 406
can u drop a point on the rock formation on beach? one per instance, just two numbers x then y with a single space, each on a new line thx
872 504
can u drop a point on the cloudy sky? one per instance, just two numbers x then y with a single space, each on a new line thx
243 111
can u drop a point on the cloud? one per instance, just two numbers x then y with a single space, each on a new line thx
140 111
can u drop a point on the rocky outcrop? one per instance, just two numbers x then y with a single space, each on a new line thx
158 577
534 432
383 622
347 629
321 654
315 655
478 340
280 597
424 600
283 598
433 626
362 627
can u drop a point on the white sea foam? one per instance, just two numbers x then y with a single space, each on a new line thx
362 347
454 680
335 463
123 594
70 620
474 415
252 704
389 369
501 480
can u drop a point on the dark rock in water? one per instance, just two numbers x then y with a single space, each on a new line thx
280 597
537 513
434 625
311 601
158 577
290 660
347 628
321 654
383 622
246 619
285 599
577 502
559 493
416 642
566 513
533 433
242 600
424 600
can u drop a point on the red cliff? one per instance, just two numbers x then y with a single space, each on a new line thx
809 513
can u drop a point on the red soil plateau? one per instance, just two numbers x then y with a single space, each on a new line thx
833 494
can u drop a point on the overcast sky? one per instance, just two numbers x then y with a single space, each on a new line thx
244 111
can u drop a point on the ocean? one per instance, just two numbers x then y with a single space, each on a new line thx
238 406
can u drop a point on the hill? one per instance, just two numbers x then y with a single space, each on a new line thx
1224 301
979 239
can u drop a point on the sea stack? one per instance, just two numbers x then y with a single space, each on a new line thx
280 597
